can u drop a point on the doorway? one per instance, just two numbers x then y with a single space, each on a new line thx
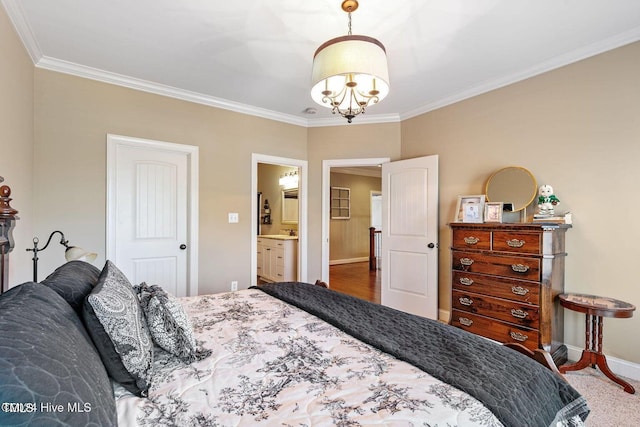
258 214
327 166
409 239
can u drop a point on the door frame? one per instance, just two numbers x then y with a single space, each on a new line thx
326 200
192 154
303 165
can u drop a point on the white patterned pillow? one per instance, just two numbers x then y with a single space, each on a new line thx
168 323
118 328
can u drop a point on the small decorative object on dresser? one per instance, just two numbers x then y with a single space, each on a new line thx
506 278
470 208
493 211
547 201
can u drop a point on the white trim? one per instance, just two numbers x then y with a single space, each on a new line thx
618 366
17 17
302 219
348 260
192 152
576 55
25 33
326 196
74 69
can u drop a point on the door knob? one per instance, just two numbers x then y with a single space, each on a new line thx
431 245
183 246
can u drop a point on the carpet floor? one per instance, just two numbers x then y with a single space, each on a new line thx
610 405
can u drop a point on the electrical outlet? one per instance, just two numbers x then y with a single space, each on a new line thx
234 285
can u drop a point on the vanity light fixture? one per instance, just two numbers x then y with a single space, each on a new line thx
71 252
289 180
350 72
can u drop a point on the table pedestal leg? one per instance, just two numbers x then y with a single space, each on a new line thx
592 353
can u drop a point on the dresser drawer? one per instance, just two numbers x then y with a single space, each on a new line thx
471 239
498 308
507 241
495 329
526 268
516 290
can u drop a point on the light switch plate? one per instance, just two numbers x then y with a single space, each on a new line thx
233 217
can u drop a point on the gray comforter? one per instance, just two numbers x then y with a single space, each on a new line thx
518 390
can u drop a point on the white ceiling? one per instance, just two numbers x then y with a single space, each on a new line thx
254 56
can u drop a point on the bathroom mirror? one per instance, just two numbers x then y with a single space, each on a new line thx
512 184
290 206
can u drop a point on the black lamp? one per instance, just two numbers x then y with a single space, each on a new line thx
70 254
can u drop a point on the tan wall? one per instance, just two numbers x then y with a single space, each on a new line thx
576 128
16 142
349 238
341 142
73 117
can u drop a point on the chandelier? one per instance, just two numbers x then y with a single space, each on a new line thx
350 72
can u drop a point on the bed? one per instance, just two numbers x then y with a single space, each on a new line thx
283 354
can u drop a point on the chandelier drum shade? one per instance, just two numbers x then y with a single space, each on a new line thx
350 72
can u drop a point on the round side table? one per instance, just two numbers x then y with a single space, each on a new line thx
595 308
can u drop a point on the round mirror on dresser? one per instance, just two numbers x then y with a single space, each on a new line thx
513 184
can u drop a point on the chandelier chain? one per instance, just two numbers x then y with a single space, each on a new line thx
349 13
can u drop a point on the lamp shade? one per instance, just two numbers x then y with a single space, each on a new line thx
349 62
77 253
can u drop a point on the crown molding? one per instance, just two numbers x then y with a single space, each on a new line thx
16 16
361 119
576 55
25 33
164 90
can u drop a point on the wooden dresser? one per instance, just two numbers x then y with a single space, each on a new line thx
506 279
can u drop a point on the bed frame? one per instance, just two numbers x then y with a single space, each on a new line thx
7 222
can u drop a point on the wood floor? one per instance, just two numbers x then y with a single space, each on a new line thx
356 279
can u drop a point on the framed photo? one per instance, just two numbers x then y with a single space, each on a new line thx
470 208
493 211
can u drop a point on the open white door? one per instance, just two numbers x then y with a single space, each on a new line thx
410 236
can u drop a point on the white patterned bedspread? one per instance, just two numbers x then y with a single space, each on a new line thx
276 365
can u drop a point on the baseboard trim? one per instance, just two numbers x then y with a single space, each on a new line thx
620 367
348 260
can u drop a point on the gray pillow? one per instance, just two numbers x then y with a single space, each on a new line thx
47 358
168 323
73 281
119 331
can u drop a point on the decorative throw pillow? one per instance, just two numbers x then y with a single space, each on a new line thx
119 331
73 281
168 323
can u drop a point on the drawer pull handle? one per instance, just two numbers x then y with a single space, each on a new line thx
515 243
471 240
520 314
519 290
520 268
465 321
466 261
466 281
519 336
465 301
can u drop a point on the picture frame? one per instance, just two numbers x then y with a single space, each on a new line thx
474 215
493 211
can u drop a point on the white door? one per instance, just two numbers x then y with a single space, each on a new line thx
410 236
149 214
